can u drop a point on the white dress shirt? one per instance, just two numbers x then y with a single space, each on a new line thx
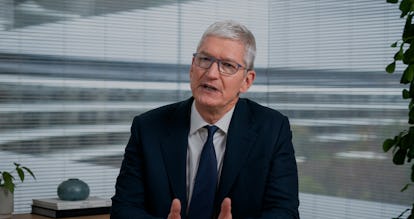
196 139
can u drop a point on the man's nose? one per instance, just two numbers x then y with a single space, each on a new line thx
214 69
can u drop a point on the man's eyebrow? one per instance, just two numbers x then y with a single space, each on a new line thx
225 59
205 53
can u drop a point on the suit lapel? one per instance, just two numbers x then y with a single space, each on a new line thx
174 148
240 140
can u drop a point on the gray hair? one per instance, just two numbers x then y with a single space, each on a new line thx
229 29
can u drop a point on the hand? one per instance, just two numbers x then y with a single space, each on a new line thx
225 212
175 209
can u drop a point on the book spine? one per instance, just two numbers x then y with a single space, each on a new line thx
69 213
43 211
72 205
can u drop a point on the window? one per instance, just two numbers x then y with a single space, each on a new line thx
74 73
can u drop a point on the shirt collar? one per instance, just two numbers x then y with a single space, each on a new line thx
198 122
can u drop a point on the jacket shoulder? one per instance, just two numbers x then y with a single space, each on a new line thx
163 113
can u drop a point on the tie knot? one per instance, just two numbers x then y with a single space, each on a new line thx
211 130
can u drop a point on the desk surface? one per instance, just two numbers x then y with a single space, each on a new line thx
33 216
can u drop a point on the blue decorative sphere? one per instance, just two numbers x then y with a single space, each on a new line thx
73 190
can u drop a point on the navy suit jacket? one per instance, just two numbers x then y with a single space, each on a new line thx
259 170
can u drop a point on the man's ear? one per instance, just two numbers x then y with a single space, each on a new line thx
191 67
248 80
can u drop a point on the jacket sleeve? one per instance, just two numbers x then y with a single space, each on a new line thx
129 199
281 192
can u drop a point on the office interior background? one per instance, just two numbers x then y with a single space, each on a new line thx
74 73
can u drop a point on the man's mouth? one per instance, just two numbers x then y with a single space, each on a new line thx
209 87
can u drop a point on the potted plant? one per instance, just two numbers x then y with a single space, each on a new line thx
402 144
7 187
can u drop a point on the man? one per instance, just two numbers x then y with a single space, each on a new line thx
253 163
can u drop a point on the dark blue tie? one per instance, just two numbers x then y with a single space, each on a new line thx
205 184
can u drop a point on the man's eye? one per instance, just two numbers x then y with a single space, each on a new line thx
228 65
205 59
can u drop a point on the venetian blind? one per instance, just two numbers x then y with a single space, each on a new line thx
74 73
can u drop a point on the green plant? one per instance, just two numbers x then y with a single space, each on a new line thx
402 145
7 179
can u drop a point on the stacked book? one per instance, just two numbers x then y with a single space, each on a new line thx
56 208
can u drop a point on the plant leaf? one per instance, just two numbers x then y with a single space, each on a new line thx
392 1
412 89
408 75
8 181
397 141
390 68
20 173
411 115
408 56
412 173
410 153
406 94
10 187
387 145
399 156
405 142
394 45
405 7
30 172
399 55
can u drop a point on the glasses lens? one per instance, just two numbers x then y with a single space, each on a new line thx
225 67
229 67
203 61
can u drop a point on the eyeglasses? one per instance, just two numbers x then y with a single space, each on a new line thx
225 67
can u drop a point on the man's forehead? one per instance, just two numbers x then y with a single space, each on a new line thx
213 46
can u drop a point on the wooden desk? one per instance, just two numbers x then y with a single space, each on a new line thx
34 216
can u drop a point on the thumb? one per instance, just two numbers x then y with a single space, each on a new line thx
225 212
175 210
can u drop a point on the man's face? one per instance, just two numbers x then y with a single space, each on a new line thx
212 90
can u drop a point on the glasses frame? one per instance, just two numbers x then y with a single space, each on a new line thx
219 64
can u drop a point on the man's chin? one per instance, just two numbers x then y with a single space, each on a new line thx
207 102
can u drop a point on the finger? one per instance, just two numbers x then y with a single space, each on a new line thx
176 206
175 210
225 212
